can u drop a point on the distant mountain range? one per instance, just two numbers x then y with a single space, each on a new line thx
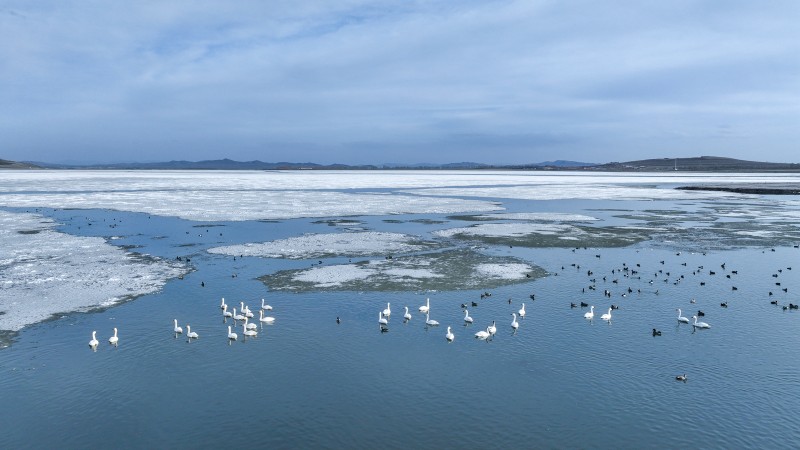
695 164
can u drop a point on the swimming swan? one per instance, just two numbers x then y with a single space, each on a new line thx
449 336
426 307
681 318
191 334
265 307
430 322
222 305
407 315
606 316
697 324
514 323
237 316
231 336
382 320
482 334
93 343
590 315
467 318
522 311
267 319
114 340
492 328
388 311
249 326
226 313
247 332
177 329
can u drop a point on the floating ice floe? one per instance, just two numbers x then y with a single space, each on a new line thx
528 234
330 244
44 272
538 217
449 270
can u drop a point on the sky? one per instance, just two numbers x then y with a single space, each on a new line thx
398 81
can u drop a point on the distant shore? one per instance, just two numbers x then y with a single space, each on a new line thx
749 188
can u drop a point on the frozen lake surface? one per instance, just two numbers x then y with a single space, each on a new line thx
94 250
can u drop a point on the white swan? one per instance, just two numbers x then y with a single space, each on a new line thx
382 320
93 343
388 311
426 307
697 324
265 307
430 322
482 334
176 328
246 310
265 319
681 318
467 318
606 316
226 313
522 311
231 336
492 329
407 315
191 334
114 340
250 326
237 316
449 336
247 332
223 305
590 315
514 323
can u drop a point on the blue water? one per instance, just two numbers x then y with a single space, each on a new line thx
560 381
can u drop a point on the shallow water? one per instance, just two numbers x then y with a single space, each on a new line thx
306 381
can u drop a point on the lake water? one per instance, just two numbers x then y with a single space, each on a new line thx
559 381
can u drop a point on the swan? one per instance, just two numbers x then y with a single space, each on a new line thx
237 316
222 305
382 320
426 307
388 311
407 315
522 311
265 307
482 334
231 336
226 313
246 310
590 315
449 336
177 329
93 343
249 326
272 319
114 340
681 318
697 324
514 323
247 332
191 334
430 322
467 318
606 316
492 329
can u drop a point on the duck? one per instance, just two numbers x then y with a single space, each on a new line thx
264 306
482 334
191 334
268 319
114 340
467 318
430 322
697 324
514 323
426 307
449 336
492 329
584 304
589 315
382 320
724 304
388 311
656 332
232 336
176 328
522 311
93 343
681 318
700 313
606 316
681 377
407 315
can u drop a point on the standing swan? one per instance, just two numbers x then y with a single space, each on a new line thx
177 329
430 322
265 319
514 323
492 329
114 340
681 318
265 307
426 307
449 336
467 318
231 336
191 334
522 311
407 315
590 315
93 343
607 316
697 324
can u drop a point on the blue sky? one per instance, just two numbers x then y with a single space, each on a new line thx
399 81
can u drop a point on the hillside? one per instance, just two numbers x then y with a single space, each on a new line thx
699 164
5 164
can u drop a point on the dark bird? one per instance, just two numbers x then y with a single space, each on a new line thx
584 304
338 320
724 304
700 313
656 332
681 377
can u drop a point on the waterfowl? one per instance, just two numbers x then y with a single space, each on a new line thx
681 377
700 313
449 336
191 334
724 304
222 305
388 311
237 316
93 343
176 328
656 332
382 320
251 333
426 307
606 316
492 329
430 322
251 326
226 313
268 319
522 311
231 336
697 324
514 323
589 315
482 334
407 315
584 304
264 306
681 318
114 340
467 318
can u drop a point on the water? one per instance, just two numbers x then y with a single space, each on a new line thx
306 381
